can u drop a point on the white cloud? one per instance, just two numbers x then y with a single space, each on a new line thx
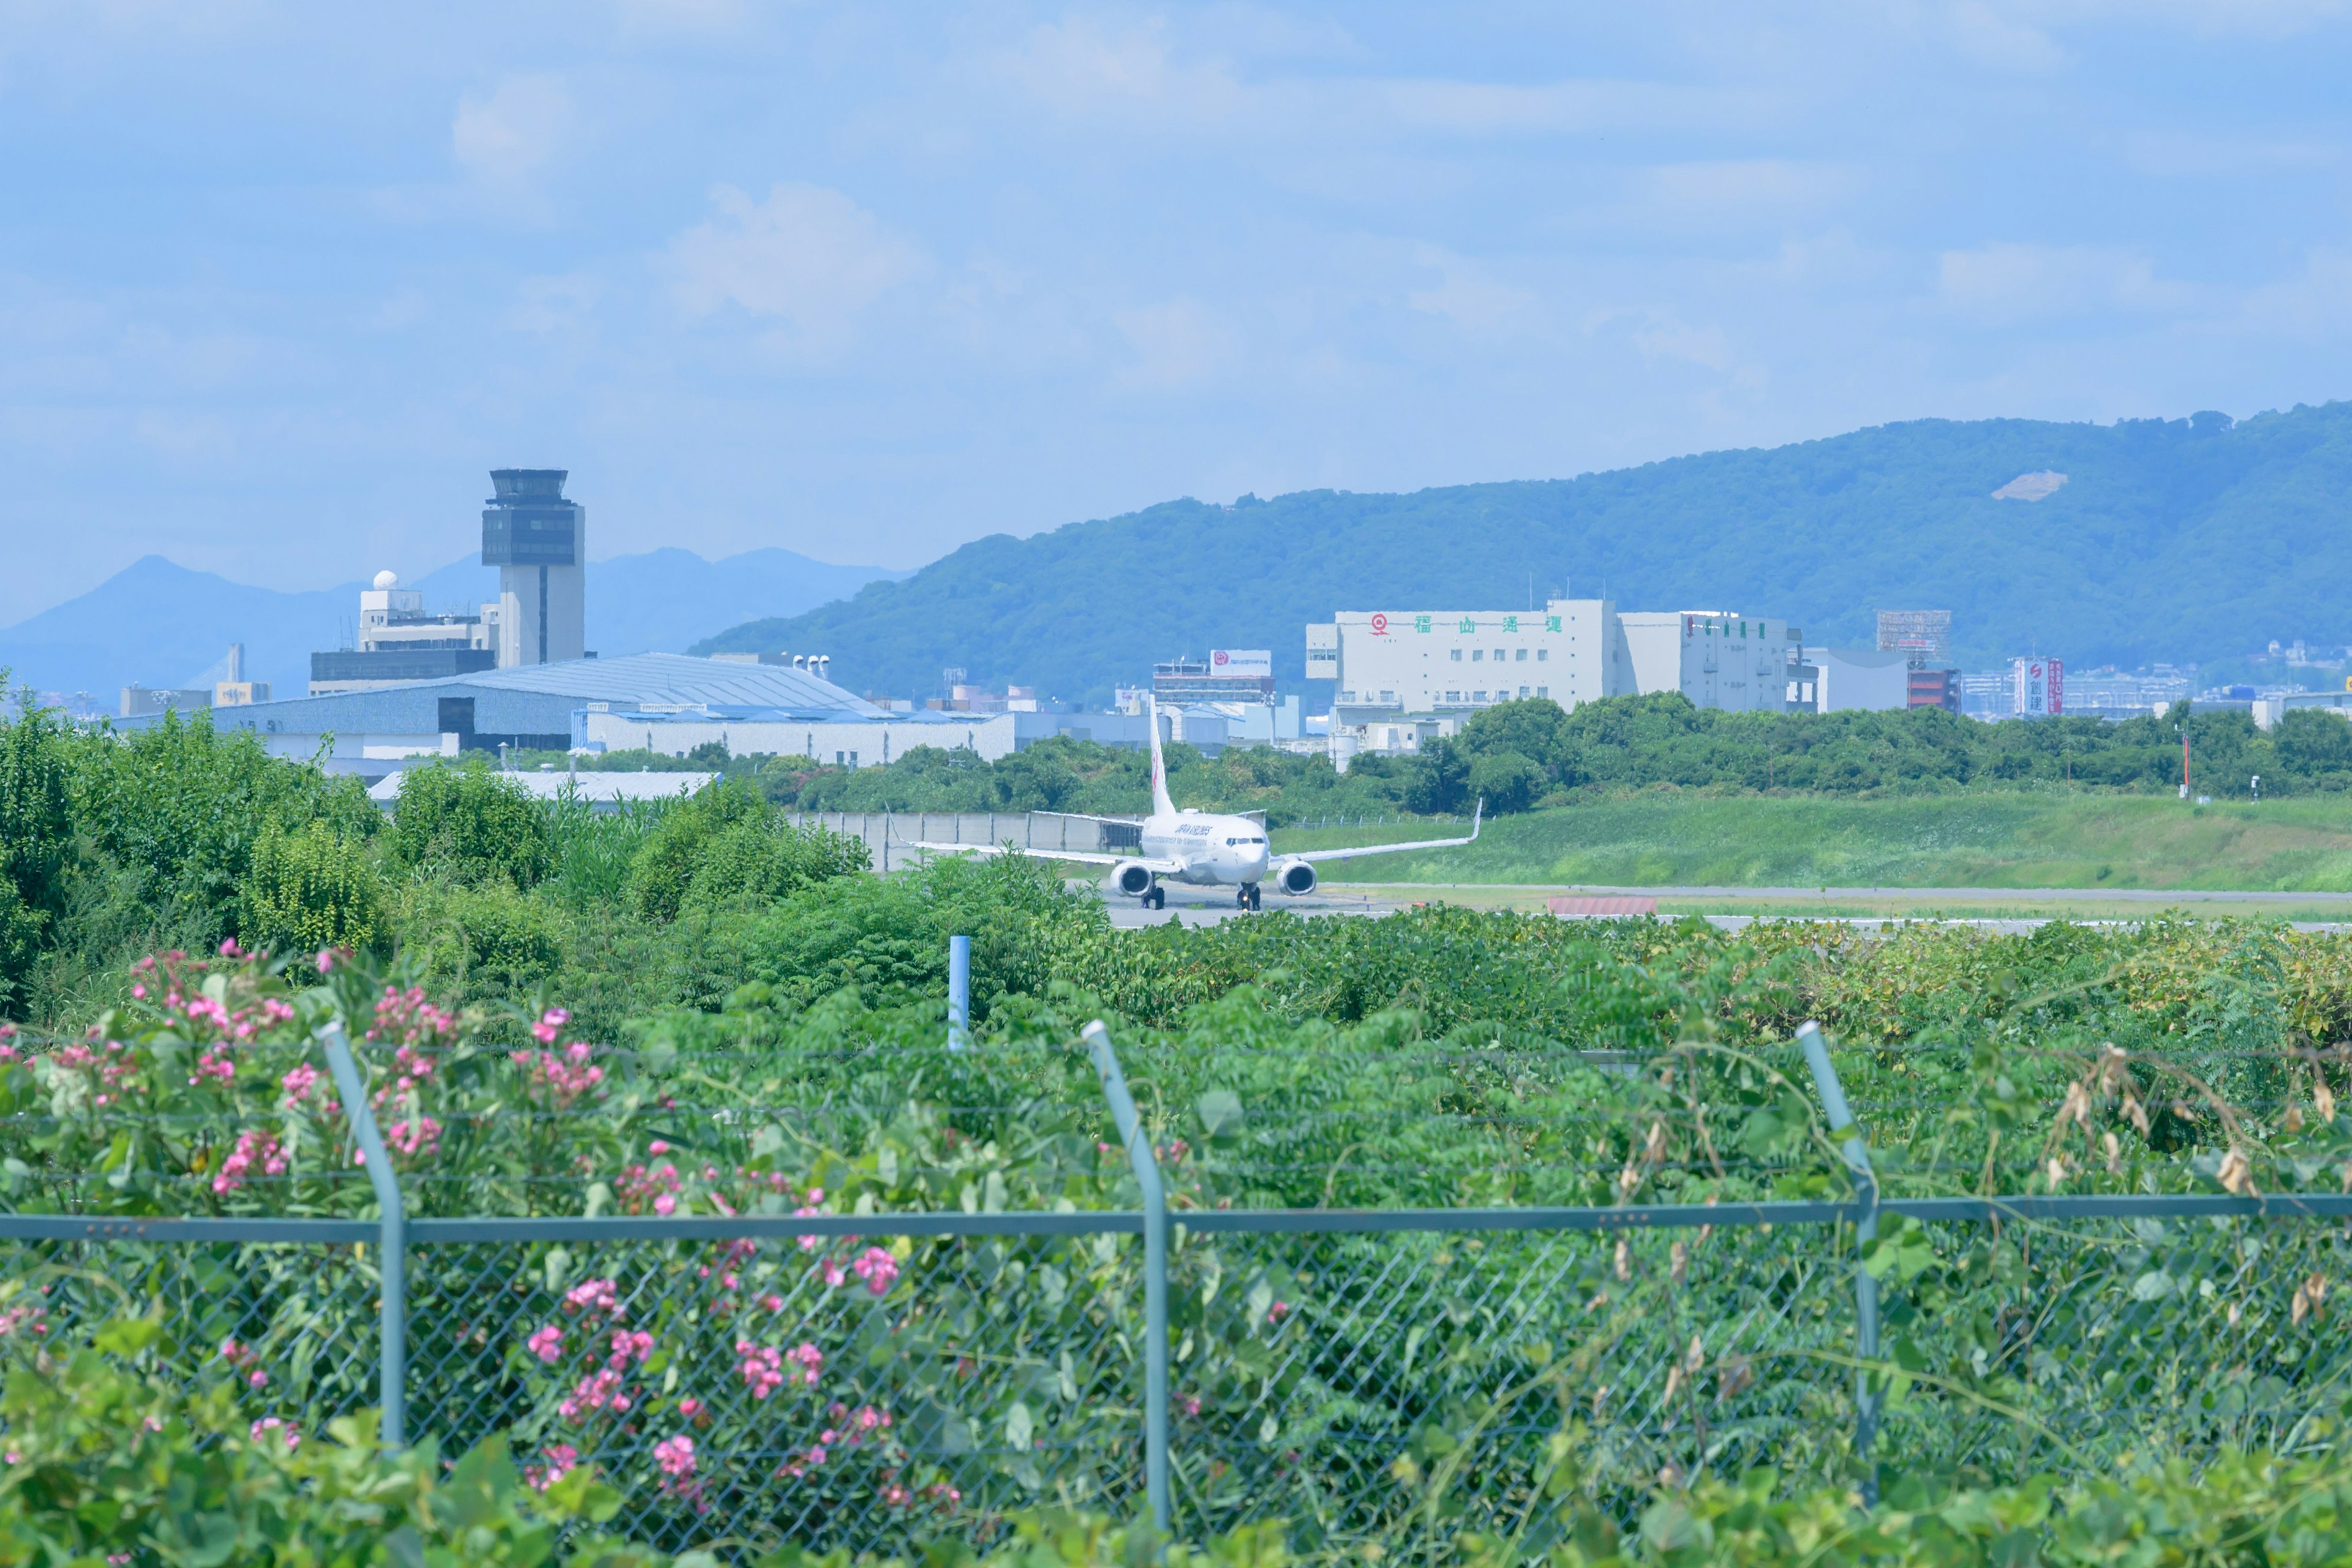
807 256
1469 294
516 130
1179 344
2011 283
1987 36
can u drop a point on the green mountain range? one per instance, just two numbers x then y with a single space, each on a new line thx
2171 540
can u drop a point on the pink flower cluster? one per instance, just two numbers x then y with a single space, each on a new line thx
551 1024
766 1369
593 1393
270 1423
595 1296
298 1085
850 1429
763 1367
547 1344
246 1356
33 1317
566 1076
561 1459
676 1457
656 1188
254 1148
415 1137
876 1267
628 1347
407 1017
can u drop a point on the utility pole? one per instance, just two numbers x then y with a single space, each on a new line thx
2184 761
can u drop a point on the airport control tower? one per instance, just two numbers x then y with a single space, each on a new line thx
538 542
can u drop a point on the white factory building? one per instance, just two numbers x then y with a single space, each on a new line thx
1390 665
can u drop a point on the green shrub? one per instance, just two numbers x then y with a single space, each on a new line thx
473 823
109 1461
728 845
181 805
490 933
308 889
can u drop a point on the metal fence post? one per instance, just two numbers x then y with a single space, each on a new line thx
1856 1156
959 991
1155 1270
394 1243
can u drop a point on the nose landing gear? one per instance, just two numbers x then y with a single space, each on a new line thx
1248 897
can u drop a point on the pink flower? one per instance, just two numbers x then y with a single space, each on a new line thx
1278 1312
594 1296
270 1423
878 1269
689 1407
666 1204
258 1379
561 1458
254 1148
551 1024
628 1346
658 1146
676 1456
762 1366
326 959
774 1302
139 993
809 1359
547 1344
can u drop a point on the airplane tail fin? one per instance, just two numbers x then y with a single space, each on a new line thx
1160 804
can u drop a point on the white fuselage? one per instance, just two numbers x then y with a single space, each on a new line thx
1228 851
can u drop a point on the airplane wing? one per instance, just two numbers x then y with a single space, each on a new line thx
1161 867
1312 856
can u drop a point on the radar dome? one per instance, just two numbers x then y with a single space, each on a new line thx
387 579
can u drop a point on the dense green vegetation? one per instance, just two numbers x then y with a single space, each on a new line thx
1519 757
2164 544
695 1009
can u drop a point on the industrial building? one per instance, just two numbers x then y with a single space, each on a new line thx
663 702
538 542
1448 664
1226 676
399 641
232 690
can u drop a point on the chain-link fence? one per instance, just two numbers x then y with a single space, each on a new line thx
872 1379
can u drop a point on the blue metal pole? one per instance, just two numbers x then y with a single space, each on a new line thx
1856 1156
392 1242
959 991
1155 1270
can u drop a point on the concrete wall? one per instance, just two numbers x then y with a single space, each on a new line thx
871 741
889 835
1854 678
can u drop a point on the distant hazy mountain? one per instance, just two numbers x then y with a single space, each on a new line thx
156 622
2187 539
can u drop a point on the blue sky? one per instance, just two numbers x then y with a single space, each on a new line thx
278 283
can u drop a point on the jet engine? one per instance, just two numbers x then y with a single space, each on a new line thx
1296 878
1131 877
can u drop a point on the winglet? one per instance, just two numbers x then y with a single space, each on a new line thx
1160 804
1476 812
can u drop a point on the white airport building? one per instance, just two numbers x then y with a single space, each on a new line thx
1441 665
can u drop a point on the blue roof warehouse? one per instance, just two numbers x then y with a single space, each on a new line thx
664 702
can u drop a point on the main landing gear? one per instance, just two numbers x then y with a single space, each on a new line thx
1155 897
1248 897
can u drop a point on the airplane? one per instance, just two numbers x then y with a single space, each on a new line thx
1203 849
